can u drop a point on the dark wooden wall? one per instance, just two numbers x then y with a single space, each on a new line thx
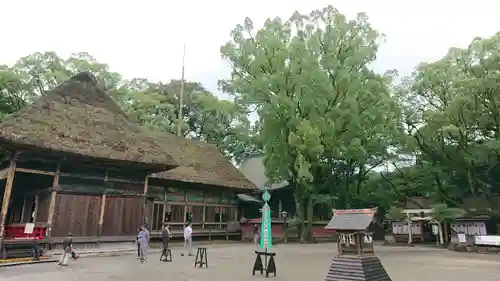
43 208
78 214
122 216
149 211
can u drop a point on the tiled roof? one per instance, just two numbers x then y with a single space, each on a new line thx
359 219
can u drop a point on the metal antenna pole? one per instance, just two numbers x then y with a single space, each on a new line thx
181 95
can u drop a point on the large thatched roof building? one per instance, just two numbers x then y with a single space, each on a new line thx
81 165
79 119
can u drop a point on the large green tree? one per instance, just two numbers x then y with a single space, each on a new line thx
452 116
326 120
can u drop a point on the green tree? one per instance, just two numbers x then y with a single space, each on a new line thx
326 119
11 91
451 112
204 116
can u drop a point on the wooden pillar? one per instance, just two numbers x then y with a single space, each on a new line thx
220 216
409 229
165 205
6 196
185 207
35 212
52 205
445 228
103 206
144 204
204 212
23 211
221 198
101 213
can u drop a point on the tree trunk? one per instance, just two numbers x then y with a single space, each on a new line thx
299 213
309 213
445 227
440 230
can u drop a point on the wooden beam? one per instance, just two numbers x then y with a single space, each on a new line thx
52 204
50 173
33 171
4 173
6 196
173 203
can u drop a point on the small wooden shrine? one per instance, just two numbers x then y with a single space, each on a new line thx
356 259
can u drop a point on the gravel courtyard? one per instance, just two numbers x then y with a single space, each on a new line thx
294 263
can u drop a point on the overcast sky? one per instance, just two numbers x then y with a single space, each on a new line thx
144 38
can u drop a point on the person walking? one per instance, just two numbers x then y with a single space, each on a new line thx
256 234
188 240
165 237
67 245
137 242
143 244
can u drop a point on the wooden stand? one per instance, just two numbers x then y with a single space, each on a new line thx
201 258
166 255
269 267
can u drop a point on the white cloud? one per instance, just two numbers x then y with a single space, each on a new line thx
144 38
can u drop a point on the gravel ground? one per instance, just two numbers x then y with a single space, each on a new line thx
294 263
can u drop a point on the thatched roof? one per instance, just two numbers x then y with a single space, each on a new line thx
79 118
203 163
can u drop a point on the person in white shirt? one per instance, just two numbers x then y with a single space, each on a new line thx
188 231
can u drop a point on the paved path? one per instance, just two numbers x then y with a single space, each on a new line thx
294 263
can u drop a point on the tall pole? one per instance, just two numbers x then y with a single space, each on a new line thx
181 94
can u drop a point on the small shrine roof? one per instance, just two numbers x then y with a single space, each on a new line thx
354 219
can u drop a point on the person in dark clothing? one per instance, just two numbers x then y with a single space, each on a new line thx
165 237
138 245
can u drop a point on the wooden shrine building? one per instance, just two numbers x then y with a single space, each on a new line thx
355 259
203 188
73 162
